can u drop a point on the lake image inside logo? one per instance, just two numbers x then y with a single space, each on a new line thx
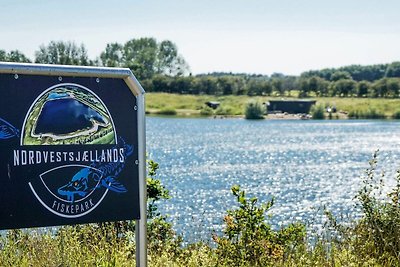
68 114
63 116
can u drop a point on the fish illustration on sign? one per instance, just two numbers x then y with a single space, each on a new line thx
7 131
95 176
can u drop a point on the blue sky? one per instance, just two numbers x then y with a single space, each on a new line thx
288 36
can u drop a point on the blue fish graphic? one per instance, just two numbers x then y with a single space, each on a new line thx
7 131
95 176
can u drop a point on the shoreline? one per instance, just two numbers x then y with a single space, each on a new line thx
289 117
233 106
273 116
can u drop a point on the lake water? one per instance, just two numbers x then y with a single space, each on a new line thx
303 164
66 115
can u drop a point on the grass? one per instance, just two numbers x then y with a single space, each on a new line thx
167 111
192 105
247 239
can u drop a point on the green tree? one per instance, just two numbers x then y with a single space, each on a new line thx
112 56
3 55
145 57
160 83
228 85
13 56
140 56
206 85
277 85
266 88
363 88
393 86
169 62
303 86
357 72
323 87
254 87
340 75
380 88
393 70
63 53
289 83
180 85
345 87
313 85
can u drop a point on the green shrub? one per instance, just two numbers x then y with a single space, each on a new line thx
206 111
166 111
155 190
379 228
354 114
248 238
225 110
374 114
396 115
374 239
160 234
254 111
318 112
367 114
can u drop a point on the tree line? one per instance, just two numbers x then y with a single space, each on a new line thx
146 57
274 86
160 68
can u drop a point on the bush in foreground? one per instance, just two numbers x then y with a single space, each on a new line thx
247 239
374 238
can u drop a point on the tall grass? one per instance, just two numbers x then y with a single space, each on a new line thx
248 238
87 245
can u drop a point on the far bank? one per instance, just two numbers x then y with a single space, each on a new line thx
234 106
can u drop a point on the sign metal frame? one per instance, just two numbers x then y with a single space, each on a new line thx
137 90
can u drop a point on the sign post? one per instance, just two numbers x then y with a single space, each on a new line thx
72 145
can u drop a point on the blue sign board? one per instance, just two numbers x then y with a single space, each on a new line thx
69 149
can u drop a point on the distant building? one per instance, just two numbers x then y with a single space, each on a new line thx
212 104
290 106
